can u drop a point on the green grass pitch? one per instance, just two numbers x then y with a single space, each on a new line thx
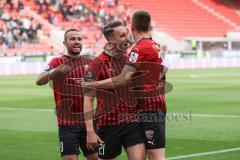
29 134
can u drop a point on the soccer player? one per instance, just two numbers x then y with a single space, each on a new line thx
117 128
144 58
67 72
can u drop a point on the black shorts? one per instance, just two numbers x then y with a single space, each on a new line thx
153 129
116 137
71 138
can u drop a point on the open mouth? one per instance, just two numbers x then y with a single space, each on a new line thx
125 45
77 47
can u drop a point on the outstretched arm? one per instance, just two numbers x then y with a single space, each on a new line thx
110 83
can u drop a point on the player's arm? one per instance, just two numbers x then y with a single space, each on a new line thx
45 76
49 74
120 80
88 109
92 139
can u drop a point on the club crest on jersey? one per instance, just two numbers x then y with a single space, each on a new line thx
133 57
149 134
89 76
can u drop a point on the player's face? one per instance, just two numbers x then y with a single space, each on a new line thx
73 42
121 36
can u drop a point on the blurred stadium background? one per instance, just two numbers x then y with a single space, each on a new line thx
200 41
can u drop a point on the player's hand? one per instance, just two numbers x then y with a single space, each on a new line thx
93 140
63 68
87 84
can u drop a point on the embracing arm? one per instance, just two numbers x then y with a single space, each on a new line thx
110 83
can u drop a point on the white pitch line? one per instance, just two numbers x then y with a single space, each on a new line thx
203 154
211 75
194 76
26 109
209 115
193 115
215 116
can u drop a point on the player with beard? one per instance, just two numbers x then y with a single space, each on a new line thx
145 69
115 130
66 73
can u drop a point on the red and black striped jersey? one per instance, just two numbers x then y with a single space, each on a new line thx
68 94
145 57
114 106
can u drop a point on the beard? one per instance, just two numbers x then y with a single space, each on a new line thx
75 51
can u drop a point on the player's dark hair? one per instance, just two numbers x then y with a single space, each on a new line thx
141 20
108 30
69 30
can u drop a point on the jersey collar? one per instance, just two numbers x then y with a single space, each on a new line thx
69 57
149 38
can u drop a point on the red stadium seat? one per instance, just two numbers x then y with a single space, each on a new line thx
182 18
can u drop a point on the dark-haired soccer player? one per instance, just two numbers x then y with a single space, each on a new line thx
144 58
114 106
67 72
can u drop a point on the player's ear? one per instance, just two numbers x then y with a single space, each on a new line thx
132 28
64 43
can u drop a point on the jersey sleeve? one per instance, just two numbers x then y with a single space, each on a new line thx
138 56
51 65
